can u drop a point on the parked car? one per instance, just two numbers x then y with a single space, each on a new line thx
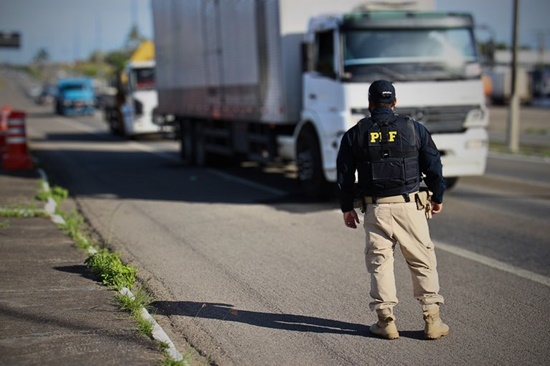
47 95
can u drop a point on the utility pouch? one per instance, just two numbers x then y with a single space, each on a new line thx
428 210
423 202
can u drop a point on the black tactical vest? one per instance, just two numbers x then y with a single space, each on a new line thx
388 157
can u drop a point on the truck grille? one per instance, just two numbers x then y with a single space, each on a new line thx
447 119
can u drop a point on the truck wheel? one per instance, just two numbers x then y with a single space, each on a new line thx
451 182
203 138
186 134
121 125
113 125
310 166
201 156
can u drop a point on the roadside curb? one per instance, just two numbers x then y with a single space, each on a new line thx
157 333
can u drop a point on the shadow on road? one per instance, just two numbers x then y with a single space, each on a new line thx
227 312
110 170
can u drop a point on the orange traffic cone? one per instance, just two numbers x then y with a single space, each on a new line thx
4 113
17 155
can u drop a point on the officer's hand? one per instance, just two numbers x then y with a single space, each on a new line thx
351 219
436 208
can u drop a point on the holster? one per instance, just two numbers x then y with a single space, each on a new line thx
359 202
359 198
423 201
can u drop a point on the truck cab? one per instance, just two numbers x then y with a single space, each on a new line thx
140 99
432 60
74 96
131 110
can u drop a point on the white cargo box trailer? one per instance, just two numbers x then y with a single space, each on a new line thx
236 59
263 79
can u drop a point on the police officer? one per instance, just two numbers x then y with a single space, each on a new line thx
390 154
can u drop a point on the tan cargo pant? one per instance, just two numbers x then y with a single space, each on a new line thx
389 224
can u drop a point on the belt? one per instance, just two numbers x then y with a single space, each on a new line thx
391 199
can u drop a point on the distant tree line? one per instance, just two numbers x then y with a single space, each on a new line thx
98 64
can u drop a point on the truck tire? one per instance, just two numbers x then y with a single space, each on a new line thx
112 116
186 138
203 157
113 125
310 166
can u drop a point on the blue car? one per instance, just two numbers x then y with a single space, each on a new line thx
75 96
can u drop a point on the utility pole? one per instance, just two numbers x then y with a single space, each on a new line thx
513 113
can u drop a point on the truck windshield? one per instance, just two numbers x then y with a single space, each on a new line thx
410 54
71 87
143 78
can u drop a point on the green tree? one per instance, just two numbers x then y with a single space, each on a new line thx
117 59
41 57
134 39
501 46
97 57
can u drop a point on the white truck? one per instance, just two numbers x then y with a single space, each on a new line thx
284 79
130 109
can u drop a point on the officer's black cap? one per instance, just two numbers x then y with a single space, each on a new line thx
382 91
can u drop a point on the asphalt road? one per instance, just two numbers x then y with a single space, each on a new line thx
251 274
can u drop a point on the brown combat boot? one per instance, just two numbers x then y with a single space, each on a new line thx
435 328
385 327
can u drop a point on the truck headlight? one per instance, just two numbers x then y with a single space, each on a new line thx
476 144
476 118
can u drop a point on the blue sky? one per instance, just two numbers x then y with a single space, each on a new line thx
72 29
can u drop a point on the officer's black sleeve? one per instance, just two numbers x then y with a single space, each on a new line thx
430 164
346 166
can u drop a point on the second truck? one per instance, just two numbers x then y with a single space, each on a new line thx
129 108
284 79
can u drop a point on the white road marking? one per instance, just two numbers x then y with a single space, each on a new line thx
493 263
489 262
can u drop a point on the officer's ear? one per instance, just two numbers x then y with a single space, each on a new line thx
394 103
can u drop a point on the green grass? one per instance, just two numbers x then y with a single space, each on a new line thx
22 211
74 227
58 194
109 267
141 299
101 261
171 362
